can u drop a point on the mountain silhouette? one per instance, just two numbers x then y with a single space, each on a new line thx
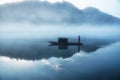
38 12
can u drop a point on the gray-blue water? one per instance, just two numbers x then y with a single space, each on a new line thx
25 54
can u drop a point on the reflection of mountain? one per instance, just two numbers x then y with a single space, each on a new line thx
44 12
36 50
31 50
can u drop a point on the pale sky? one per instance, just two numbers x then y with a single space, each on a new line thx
109 6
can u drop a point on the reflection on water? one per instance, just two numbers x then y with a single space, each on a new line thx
30 49
25 54
31 42
104 62
12 69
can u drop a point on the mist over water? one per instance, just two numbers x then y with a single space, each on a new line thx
49 31
22 40
27 27
25 52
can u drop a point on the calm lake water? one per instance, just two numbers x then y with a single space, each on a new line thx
25 53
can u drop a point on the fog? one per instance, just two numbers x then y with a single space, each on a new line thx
25 54
15 31
22 40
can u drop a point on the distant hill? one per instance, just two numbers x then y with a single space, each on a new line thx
53 13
